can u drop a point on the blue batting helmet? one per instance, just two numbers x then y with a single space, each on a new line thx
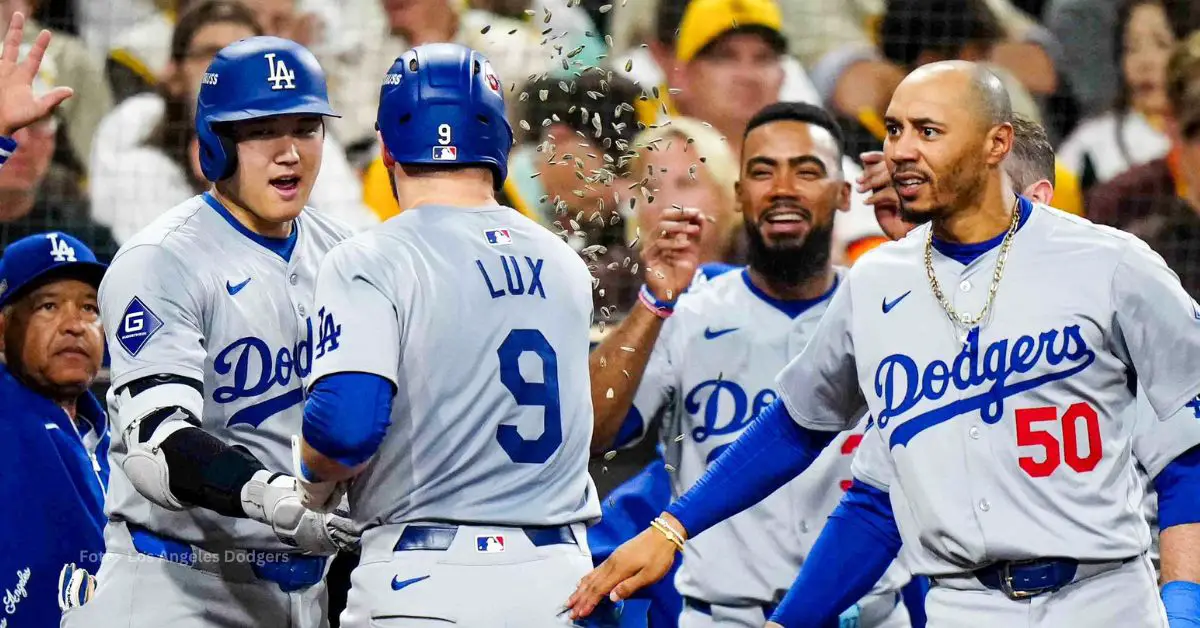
442 105
258 77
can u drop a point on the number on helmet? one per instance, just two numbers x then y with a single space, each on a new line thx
443 134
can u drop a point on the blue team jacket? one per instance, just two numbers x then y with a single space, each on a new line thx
52 483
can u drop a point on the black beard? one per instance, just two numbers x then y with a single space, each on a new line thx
789 265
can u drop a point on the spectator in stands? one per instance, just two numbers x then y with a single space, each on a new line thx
649 66
385 29
687 164
568 170
1131 133
147 156
140 56
27 207
68 62
1159 201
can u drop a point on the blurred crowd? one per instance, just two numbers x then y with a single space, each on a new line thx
621 107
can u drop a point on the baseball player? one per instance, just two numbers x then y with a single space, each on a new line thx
211 329
458 391
707 361
999 371
19 106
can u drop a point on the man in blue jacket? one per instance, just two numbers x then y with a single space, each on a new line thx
53 432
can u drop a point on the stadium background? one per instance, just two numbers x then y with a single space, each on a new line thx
602 92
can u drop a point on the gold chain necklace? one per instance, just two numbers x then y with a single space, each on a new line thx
964 319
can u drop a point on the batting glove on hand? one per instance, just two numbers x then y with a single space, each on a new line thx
75 587
849 617
318 496
274 499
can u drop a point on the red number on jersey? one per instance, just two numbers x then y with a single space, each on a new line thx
851 443
1031 433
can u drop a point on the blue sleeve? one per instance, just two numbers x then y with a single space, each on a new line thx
7 146
852 553
1178 485
914 600
1182 602
347 415
772 451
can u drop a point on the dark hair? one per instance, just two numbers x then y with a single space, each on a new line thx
175 131
667 20
798 112
1032 157
597 105
1182 19
912 27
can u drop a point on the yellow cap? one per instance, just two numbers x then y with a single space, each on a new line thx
706 20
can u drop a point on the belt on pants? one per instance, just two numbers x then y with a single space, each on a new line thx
290 570
1024 579
706 608
441 537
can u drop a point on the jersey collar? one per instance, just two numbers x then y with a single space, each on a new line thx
88 410
967 253
282 247
790 307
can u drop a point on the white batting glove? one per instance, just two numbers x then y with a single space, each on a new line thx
274 499
75 587
318 496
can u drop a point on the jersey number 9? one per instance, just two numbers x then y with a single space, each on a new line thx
545 394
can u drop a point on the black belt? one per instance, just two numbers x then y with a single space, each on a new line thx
700 606
440 537
1024 579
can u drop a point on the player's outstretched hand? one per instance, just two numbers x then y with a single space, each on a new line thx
672 253
18 106
639 562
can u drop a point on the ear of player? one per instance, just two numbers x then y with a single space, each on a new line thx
443 105
255 78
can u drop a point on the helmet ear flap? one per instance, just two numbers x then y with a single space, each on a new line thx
229 147
218 154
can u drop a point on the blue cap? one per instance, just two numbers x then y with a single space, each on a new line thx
43 256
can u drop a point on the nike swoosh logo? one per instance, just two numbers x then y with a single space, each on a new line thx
234 289
887 307
398 584
710 334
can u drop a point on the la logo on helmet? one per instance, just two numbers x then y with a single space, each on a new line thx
60 250
281 77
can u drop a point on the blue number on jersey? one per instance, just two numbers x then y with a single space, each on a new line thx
544 394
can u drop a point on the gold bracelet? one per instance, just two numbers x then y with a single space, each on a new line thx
662 526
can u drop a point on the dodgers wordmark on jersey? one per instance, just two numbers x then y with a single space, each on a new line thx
198 295
481 319
710 373
1000 442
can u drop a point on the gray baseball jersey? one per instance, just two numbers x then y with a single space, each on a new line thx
196 294
710 373
481 319
1011 441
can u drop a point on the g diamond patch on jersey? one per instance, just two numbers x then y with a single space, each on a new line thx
138 324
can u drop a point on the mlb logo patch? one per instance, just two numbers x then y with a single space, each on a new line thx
493 544
496 237
445 153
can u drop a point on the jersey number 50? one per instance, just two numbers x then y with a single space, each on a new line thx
545 394
1055 453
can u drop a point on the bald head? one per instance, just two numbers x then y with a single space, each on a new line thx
986 92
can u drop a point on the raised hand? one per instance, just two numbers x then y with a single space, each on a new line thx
18 105
639 562
672 253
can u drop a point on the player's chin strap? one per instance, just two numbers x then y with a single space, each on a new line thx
147 417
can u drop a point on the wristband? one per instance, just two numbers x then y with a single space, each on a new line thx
665 528
7 146
661 309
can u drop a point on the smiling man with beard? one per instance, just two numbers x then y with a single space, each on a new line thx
706 363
